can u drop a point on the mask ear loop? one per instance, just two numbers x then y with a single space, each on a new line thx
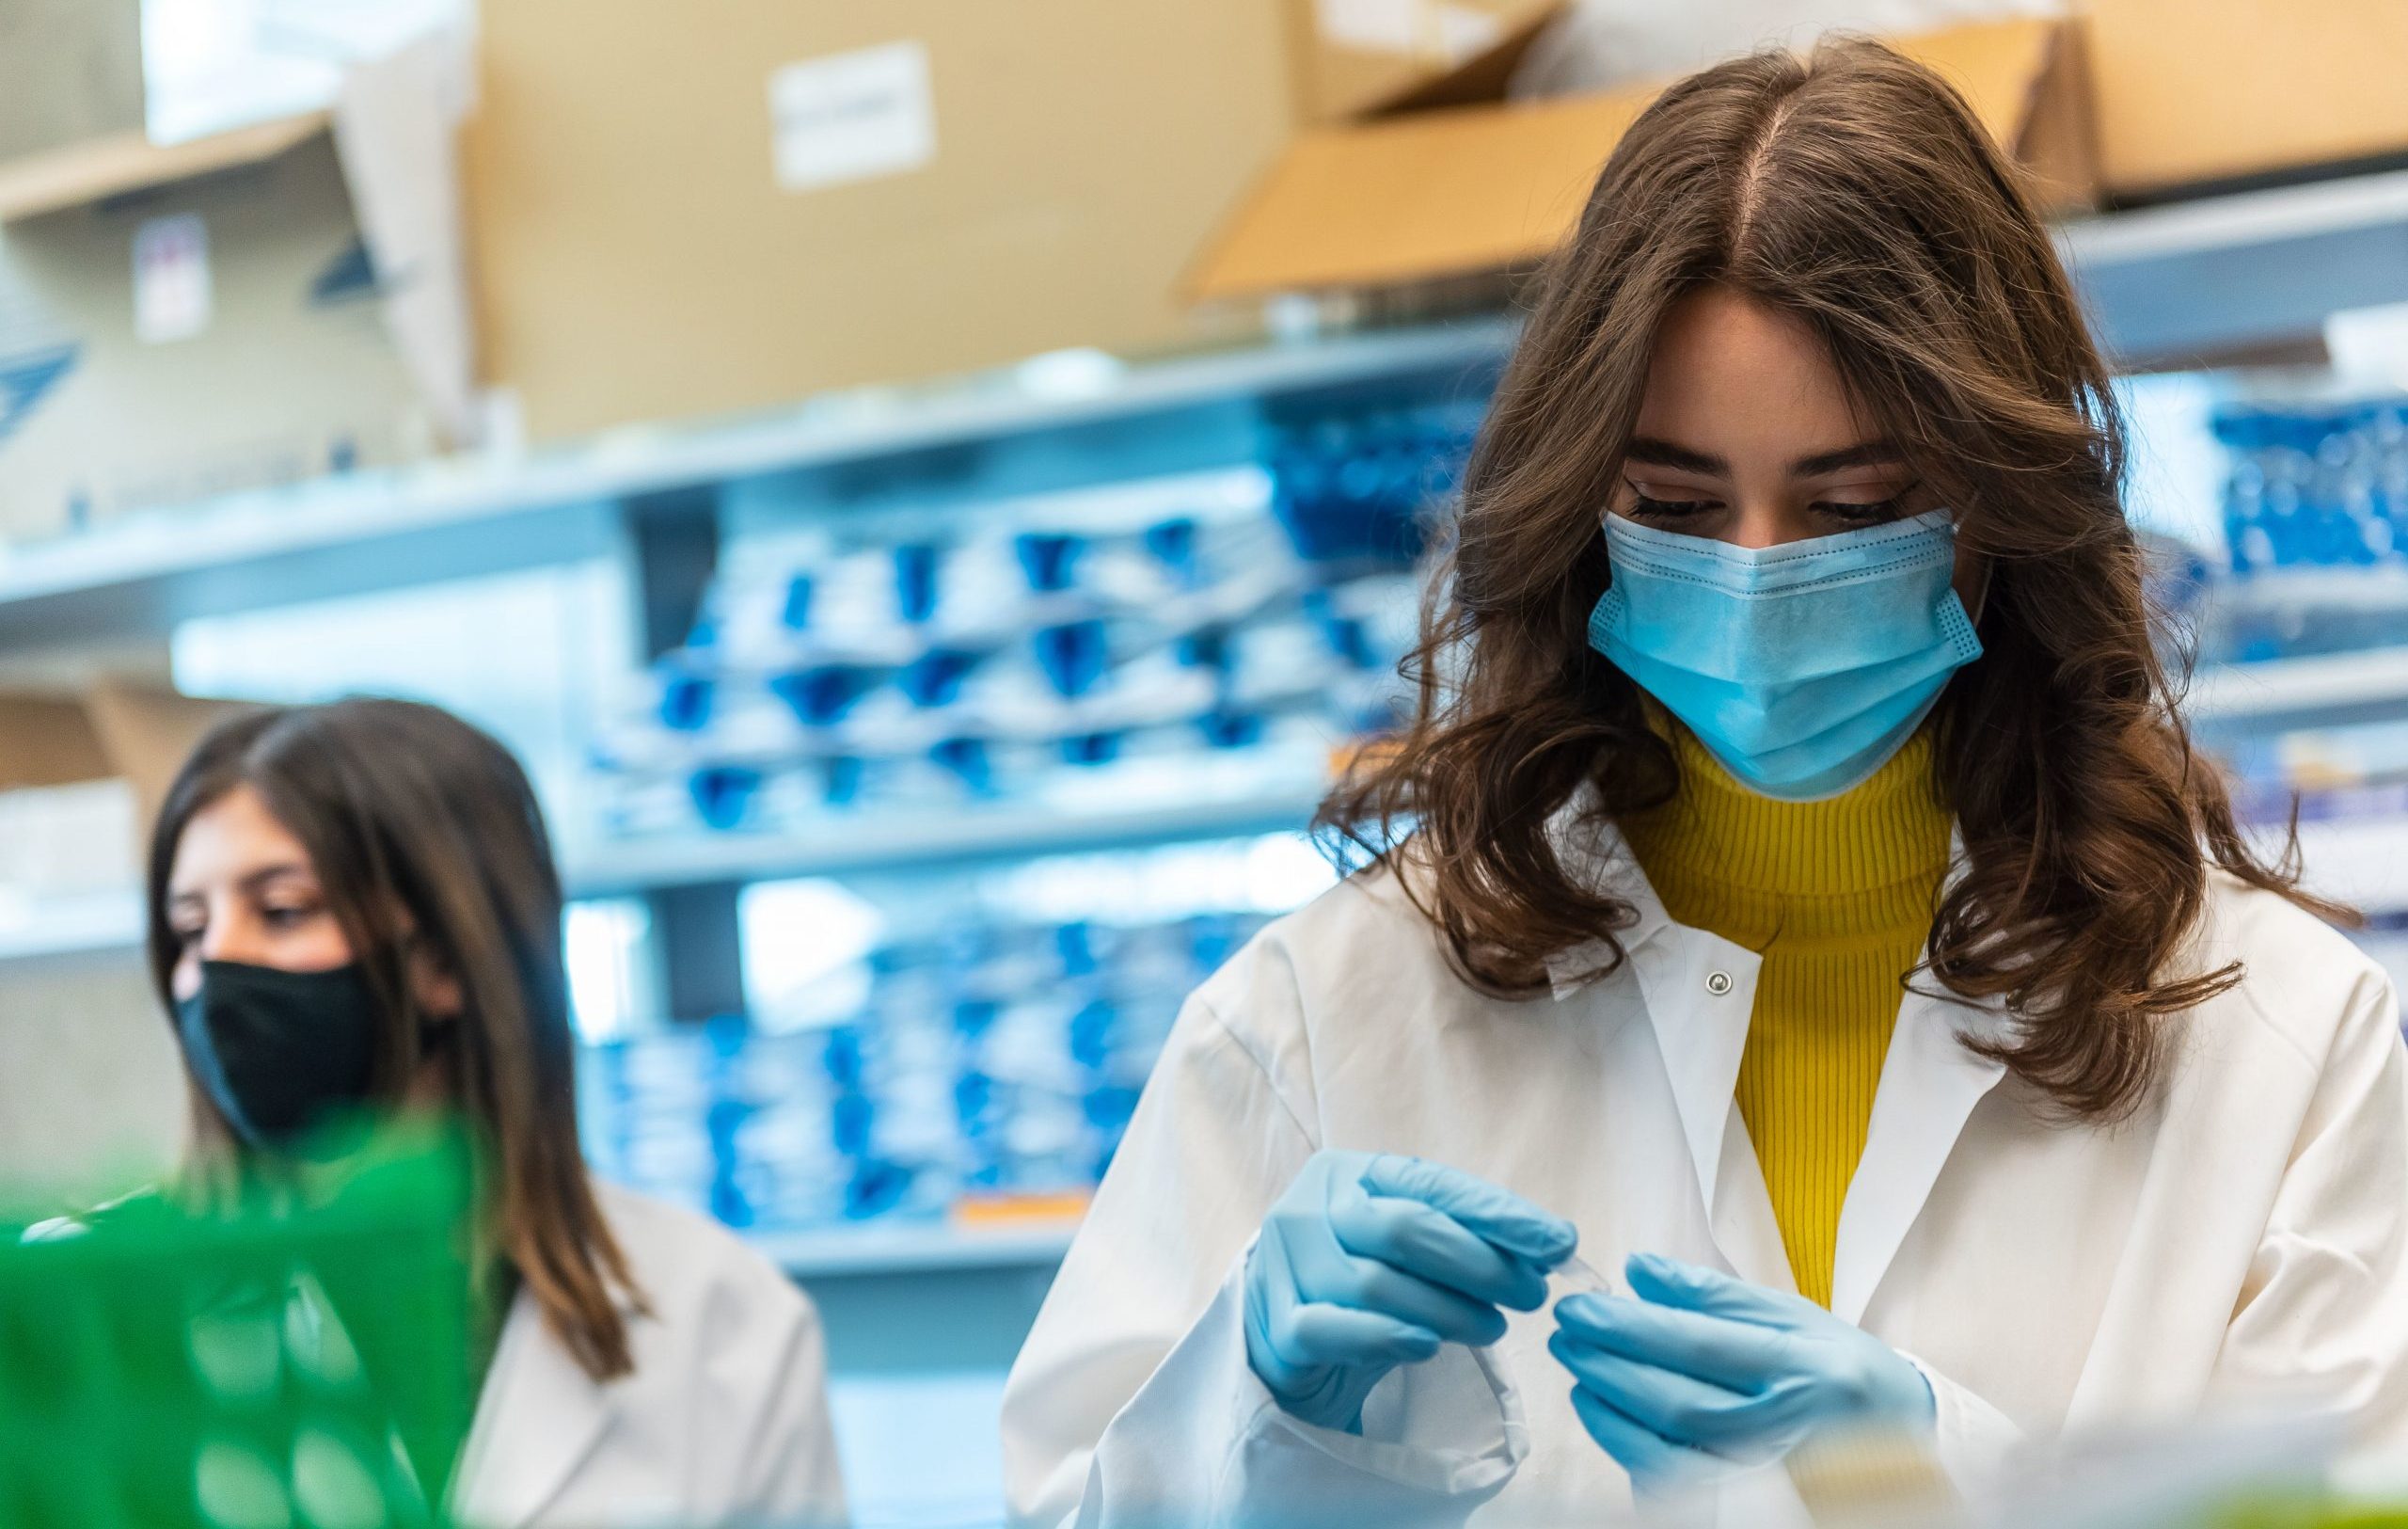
1984 567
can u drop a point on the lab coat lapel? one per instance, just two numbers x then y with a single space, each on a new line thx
1930 1082
1701 1035
1699 993
538 1419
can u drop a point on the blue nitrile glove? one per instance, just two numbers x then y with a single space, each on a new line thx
1371 1261
1702 1369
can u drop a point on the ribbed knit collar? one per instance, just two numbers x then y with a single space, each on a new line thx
1725 858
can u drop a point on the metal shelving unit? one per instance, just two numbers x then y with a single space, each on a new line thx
96 924
2288 694
912 1248
2227 274
2213 278
931 842
2201 278
1009 433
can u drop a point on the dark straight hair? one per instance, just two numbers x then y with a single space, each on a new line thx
1853 192
428 842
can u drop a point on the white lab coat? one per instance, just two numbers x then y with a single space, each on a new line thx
724 1422
2244 1241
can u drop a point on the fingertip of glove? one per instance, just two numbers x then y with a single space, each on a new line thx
1583 1314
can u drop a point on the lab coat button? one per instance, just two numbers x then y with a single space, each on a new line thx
1718 983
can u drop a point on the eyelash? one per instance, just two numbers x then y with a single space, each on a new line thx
1869 511
276 917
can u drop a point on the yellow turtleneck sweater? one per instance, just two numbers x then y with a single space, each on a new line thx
1837 898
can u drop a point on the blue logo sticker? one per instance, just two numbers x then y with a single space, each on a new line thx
26 380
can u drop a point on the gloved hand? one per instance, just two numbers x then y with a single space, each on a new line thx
1702 1369
1367 1263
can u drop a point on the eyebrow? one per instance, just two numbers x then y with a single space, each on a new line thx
1665 453
250 882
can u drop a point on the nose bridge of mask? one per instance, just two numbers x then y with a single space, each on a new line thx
1828 606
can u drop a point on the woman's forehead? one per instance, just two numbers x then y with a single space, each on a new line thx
1734 379
235 837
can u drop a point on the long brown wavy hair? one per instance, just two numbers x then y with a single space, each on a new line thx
427 839
1856 192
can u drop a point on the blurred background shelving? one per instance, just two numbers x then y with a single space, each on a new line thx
922 708
621 611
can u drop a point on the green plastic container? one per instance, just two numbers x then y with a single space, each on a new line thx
254 1367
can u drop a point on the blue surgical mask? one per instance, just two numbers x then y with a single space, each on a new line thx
1802 667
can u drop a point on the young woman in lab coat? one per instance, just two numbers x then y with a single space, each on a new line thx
354 905
1797 889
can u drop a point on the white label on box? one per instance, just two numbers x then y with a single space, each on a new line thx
172 287
1433 30
1371 26
854 116
1465 34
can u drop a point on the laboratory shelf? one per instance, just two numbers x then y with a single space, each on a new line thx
2288 694
2361 860
86 924
934 841
912 1248
1053 423
2222 274
111 923
2216 276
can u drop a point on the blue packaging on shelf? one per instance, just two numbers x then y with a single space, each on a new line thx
915 582
728 1201
840 780
935 677
1231 730
821 695
1073 656
842 1057
1090 748
967 760
723 794
1076 944
1207 648
875 1187
973 1017
1358 488
1173 543
1049 560
973 1095
957 1087
1109 1106
1091 1032
685 701
794 614
852 1120
2313 485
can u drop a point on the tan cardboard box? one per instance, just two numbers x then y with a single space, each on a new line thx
1462 191
258 355
2197 90
70 69
83 777
1354 57
707 207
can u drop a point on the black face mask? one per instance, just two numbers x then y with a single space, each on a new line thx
277 1052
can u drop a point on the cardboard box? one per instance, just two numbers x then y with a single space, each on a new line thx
2193 91
1457 192
696 209
82 779
216 334
70 69
1358 58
